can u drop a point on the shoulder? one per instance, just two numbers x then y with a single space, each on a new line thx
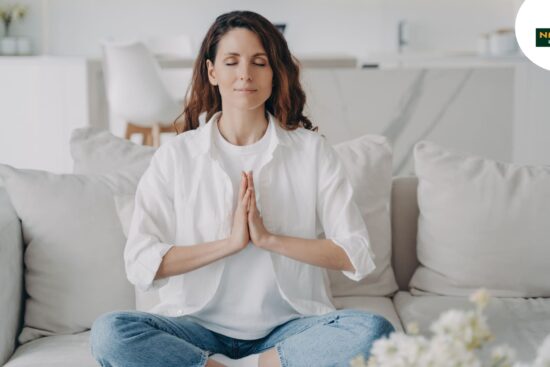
173 152
181 145
302 138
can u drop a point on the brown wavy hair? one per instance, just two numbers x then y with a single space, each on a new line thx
287 98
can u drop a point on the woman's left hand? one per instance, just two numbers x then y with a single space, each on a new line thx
258 233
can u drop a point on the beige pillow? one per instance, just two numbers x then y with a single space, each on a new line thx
482 223
74 267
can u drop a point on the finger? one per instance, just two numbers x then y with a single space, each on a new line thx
251 180
250 201
243 186
246 200
253 202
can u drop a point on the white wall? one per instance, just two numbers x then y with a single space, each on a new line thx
356 27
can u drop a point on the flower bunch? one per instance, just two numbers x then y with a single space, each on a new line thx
456 337
11 14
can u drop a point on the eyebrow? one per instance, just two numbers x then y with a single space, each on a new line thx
237 54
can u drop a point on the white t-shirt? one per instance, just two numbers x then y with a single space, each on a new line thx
247 304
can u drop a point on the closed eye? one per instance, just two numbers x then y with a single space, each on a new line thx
254 64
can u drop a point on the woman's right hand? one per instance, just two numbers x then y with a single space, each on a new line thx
240 236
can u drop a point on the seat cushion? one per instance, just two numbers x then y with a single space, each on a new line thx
74 350
55 351
382 306
521 323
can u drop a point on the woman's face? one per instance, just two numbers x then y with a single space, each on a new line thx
241 70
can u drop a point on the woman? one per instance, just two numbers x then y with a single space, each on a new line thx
227 218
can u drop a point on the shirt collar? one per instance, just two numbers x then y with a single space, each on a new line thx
204 140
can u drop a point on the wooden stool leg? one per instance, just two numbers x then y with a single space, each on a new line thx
155 134
147 139
129 130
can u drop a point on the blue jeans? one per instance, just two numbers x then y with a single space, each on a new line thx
136 338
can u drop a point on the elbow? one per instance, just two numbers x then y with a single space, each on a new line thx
144 279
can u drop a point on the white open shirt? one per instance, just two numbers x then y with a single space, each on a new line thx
185 198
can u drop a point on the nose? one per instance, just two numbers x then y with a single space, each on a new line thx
245 72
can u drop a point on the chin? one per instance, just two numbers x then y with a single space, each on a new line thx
248 105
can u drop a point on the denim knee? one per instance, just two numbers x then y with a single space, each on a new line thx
105 333
369 327
377 325
381 325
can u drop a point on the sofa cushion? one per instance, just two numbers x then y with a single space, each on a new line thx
382 306
482 224
368 163
74 268
11 276
522 323
74 350
55 351
96 150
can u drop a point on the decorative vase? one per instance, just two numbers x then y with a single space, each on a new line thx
24 46
8 46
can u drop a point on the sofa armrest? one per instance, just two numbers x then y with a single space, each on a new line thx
11 277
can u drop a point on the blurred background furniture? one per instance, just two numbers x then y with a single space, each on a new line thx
172 46
136 91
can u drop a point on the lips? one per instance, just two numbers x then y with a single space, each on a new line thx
245 90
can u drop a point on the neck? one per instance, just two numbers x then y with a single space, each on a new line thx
242 127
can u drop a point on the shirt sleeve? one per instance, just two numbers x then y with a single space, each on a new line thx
339 214
152 229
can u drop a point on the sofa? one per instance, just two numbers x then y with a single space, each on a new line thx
460 223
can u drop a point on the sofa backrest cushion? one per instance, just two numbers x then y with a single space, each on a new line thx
11 276
482 224
73 256
368 164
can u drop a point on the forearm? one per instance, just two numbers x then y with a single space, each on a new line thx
182 259
320 252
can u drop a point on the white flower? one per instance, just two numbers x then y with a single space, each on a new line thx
480 298
503 356
470 328
399 350
358 361
447 352
18 12
413 328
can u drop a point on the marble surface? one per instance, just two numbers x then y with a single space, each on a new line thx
467 109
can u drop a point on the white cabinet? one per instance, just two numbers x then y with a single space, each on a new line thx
41 101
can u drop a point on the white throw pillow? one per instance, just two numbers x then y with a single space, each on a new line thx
74 268
368 163
97 151
482 223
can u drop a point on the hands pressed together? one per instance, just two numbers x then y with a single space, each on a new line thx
247 222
